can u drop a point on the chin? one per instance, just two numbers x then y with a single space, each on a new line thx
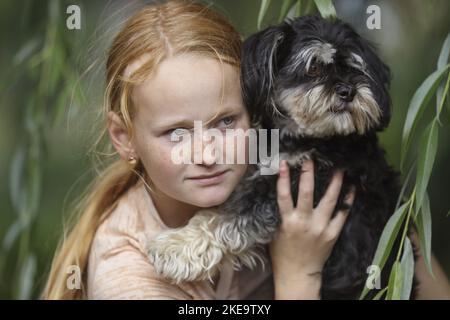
210 196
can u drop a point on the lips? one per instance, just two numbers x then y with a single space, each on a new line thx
209 179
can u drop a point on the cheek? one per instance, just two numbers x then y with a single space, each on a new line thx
240 143
156 157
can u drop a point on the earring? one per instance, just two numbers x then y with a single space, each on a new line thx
132 161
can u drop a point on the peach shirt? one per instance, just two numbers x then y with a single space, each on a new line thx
118 267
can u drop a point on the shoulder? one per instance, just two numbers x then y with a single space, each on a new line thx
130 223
118 267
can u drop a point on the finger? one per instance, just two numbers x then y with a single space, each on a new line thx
328 202
350 197
306 188
336 224
284 197
338 221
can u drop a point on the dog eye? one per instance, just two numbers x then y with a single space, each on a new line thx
313 70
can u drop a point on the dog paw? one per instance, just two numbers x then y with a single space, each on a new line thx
190 253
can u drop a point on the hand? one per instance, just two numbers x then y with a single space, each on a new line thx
306 235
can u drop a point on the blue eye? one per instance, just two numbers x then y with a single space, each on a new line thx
176 133
227 121
180 131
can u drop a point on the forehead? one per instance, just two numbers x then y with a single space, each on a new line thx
326 52
190 87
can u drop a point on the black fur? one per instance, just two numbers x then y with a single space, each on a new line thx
286 40
376 183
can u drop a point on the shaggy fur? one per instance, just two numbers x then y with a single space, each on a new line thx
324 87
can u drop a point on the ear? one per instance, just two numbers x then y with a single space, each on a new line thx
120 137
385 99
378 70
382 74
259 68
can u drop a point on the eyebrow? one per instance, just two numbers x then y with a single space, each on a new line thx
190 123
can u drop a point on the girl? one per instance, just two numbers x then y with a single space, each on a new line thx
173 64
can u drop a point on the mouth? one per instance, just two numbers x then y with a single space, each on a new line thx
339 107
210 179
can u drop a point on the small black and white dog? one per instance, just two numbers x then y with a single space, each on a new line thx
326 90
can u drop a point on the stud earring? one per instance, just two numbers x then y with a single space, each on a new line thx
132 161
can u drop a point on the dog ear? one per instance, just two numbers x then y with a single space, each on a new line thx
259 67
382 74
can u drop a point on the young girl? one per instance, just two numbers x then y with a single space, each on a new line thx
173 64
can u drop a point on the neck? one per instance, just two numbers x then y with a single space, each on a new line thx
173 213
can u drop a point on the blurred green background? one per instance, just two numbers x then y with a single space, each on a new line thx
51 85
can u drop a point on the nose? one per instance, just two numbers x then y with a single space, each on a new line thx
209 155
345 92
205 150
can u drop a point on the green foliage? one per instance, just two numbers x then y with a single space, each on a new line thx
295 8
442 61
395 282
418 201
428 146
417 106
285 7
423 224
326 8
387 239
407 266
46 64
262 12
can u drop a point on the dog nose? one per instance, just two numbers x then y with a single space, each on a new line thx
345 92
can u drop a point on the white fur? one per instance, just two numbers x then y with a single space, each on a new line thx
198 250
321 51
310 109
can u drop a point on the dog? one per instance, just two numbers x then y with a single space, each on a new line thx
327 91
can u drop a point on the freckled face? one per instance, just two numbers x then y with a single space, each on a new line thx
182 90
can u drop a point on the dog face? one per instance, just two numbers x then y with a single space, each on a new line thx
320 75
